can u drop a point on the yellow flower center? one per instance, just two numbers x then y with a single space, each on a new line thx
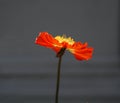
63 38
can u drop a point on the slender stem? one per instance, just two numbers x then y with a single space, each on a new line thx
58 80
59 55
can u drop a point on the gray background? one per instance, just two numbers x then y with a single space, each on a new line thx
28 71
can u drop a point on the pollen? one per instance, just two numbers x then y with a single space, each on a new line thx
63 38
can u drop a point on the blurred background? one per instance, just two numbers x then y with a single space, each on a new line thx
28 71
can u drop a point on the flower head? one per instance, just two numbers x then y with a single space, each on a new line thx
61 43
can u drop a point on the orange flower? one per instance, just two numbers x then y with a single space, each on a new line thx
79 50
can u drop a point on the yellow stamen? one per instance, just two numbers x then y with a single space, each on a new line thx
63 38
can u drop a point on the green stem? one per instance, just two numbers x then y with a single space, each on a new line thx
58 80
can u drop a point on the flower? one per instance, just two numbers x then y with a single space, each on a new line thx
59 44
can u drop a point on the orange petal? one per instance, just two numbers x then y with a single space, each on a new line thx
43 40
47 40
86 55
81 51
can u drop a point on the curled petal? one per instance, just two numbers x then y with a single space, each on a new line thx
44 39
47 40
84 55
81 51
